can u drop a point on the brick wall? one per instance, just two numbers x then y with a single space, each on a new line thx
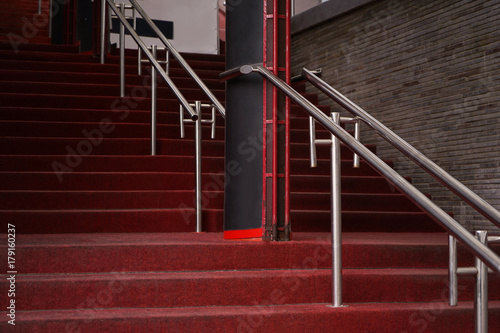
430 71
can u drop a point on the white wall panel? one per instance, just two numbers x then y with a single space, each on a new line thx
195 24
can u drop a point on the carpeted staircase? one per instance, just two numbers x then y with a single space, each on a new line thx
104 232
78 155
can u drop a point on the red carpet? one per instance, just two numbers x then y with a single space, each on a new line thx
21 23
104 232
185 282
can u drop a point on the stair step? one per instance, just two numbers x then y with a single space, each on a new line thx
47 129
349 184
193 62
210 288
364 221
45 221
112 252
160 252
120 106
108 146
94 115
95 90
48 56
42 48
302 136
266 316
39 39
91 181
92 67
115 199
354 202
301 166
301 149
66 57
102 78
142 165
132 53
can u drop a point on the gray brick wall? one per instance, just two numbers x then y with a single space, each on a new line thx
430 71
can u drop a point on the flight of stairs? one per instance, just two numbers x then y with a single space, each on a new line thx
75 156
105 236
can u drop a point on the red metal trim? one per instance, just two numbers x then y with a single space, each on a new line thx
264 127
239 234
287 115
275 114
276 69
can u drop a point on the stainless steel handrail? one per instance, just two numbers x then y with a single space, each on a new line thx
152 55
175 54
480 270
426 164
153 61
335 201
421 200
298 78
198 202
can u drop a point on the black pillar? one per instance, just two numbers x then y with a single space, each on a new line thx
244 105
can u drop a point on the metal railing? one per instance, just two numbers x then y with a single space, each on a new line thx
197 147
426 164
335 185
175 54
454 228
151 54
154 63
479 271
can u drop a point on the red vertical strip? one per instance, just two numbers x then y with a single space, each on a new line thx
287 116
264 129
275 115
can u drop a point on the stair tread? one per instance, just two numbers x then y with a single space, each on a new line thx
125 239
95 210
109 172
357 317
229 274
235 310
373 212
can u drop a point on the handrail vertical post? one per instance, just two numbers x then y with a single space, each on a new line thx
312 142
167 60
153 101
336 218
139 61
122 53
452 270
103 30
357 136
39 7
481 292
181 117
197 140
213 122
